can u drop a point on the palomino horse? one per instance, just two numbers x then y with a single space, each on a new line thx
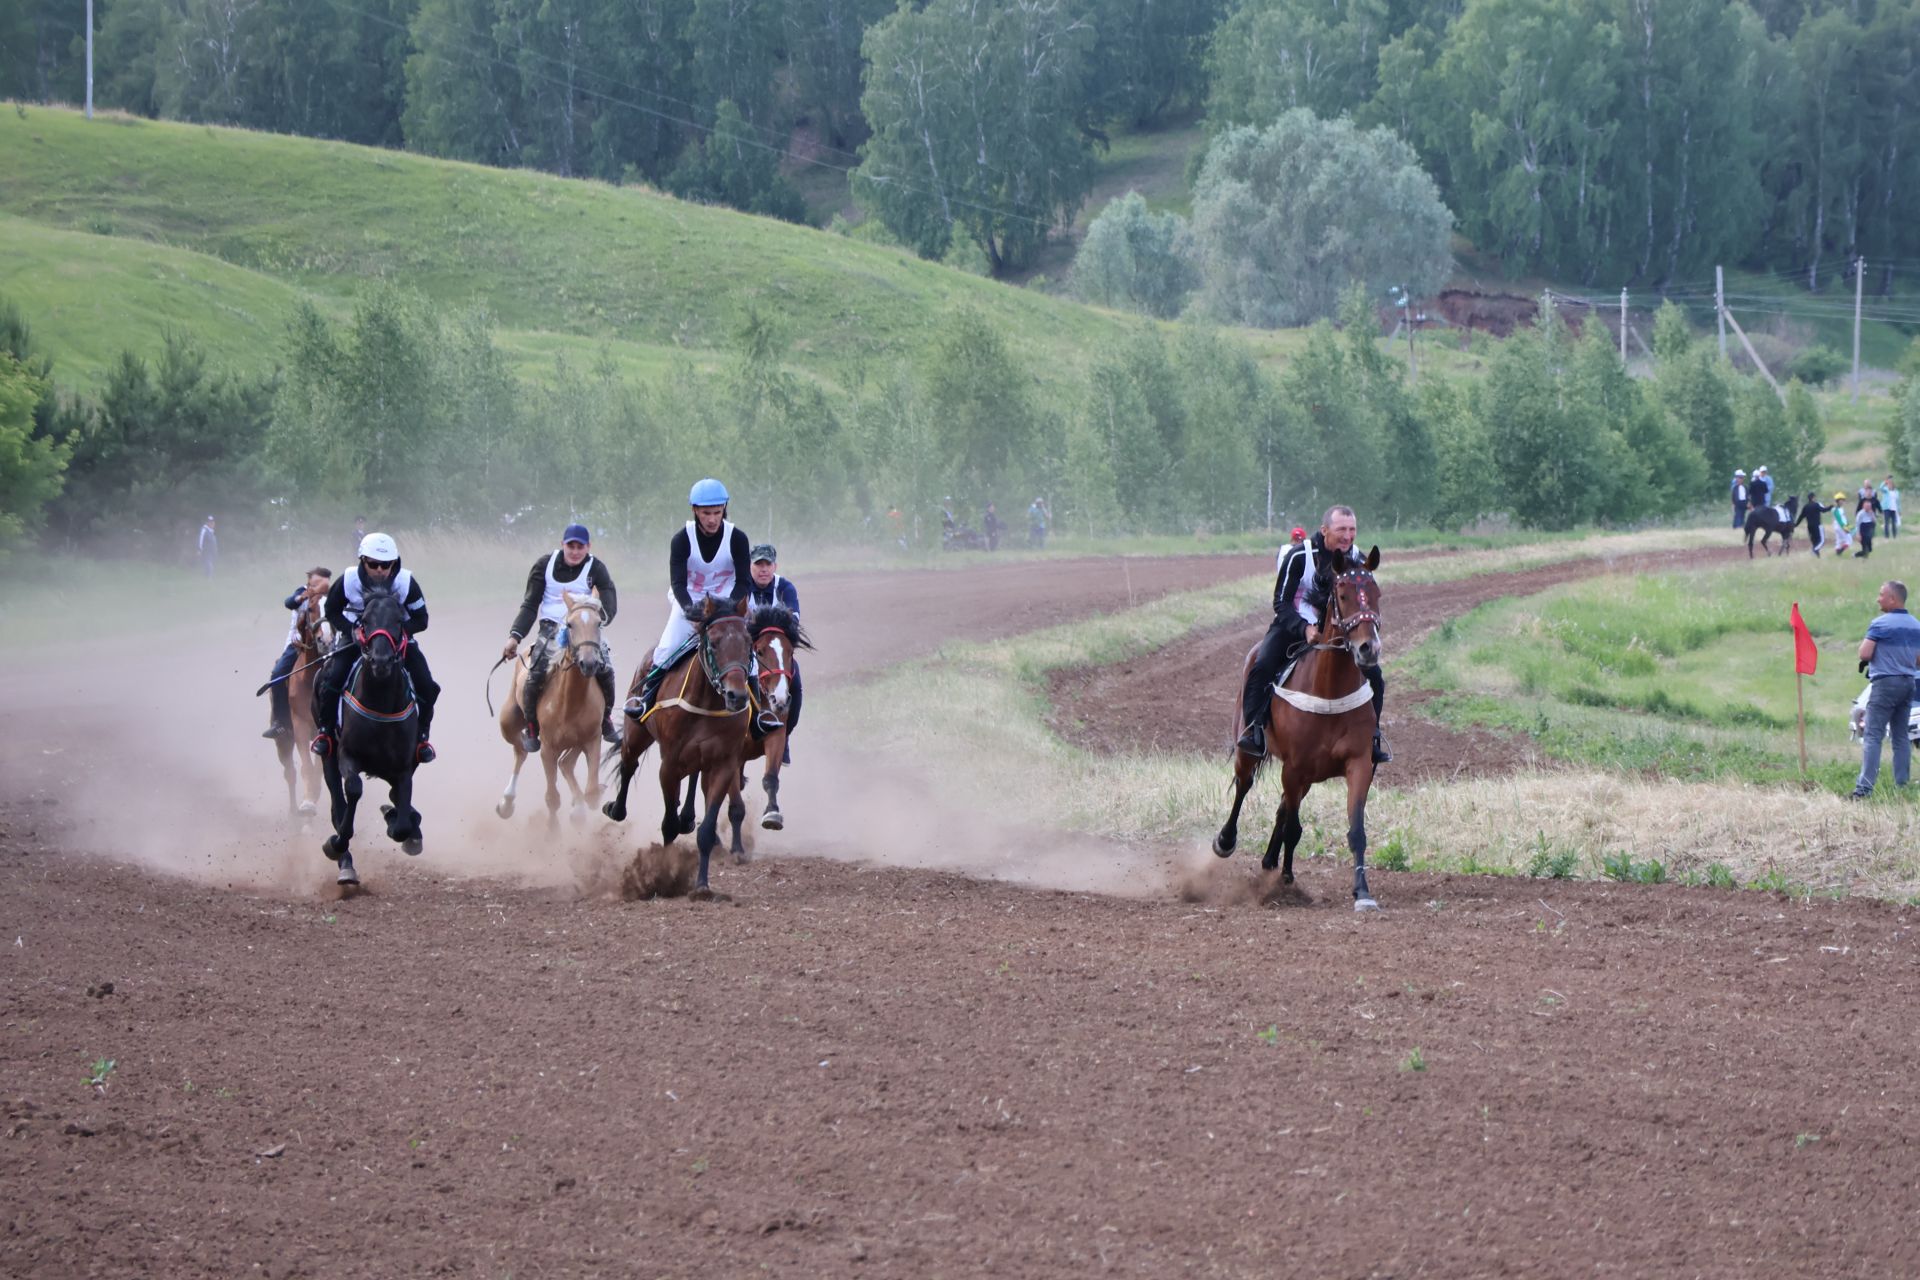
309 651
379 733
1320 726
571 706
698 724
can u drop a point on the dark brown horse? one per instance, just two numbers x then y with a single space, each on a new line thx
699 722
1321 727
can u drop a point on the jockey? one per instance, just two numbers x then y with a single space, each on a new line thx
702 564
280 715
572 568
1761 487
765 589
379 568
1299 597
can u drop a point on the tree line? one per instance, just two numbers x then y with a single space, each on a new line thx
1630 141
403 407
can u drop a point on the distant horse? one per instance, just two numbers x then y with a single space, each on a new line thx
1767 521
699 729
309 645
1321 726
379 733
571 707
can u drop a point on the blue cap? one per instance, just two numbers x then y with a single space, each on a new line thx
708 493
576 533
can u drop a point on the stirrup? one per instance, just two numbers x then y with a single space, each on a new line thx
322 744
1253 742
530 741
425 754
609 732
769 722
277 730
1380 753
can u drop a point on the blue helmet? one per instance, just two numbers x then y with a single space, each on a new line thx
708 493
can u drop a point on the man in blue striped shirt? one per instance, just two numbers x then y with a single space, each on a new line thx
1891 652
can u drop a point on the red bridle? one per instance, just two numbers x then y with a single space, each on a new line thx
772 671
399 645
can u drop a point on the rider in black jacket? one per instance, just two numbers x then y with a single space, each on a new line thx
1300 598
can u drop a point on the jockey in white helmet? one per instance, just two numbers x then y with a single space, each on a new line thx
378 569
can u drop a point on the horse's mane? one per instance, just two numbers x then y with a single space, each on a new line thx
781 619
382 598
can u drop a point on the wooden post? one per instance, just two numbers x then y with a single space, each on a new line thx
1720 306
1859 277
1800 696
1753 355
90 63
1623 324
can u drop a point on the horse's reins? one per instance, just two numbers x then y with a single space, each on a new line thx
679 700
399 651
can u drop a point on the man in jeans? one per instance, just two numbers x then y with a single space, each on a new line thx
1889 652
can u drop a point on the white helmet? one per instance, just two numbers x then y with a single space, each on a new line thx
379 546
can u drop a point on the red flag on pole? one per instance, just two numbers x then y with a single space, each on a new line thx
1805 656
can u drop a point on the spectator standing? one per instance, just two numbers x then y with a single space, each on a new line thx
1889 654
1739 499
1866 519
1888 495
991 524
209 547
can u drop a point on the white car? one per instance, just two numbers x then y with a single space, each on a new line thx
1858 720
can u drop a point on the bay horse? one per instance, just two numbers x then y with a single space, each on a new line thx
379 733
1767 521
698 724
571 706
1320 726
309 645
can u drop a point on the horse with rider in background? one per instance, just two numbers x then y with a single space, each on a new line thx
1768 520
307 642
570 712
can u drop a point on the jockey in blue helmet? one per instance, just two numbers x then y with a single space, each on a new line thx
705 560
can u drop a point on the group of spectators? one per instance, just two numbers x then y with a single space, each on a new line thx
1876 509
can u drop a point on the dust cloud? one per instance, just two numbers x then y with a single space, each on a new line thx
146 744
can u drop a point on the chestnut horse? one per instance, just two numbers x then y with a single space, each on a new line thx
571 706
1320 726
698 724
309 651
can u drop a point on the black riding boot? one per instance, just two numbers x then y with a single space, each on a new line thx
326 698
537 668
605 680
426 692
1253 714
1380 753
641 703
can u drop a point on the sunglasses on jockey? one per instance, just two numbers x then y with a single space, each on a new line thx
379 566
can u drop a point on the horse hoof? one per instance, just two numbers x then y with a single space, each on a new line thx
702 894
615 812
347 874
1365 904
773 820
331 848
386 810
411 846
1223 848
741 858
306 809
504 808
578 817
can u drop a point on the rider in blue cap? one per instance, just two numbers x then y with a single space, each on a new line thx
705 560
573 568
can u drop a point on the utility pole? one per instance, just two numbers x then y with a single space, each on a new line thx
89 59
1405 302
1720 306
1623 324
1859 279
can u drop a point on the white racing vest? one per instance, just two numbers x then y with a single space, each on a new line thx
709 577
553 601
356 597
1301 592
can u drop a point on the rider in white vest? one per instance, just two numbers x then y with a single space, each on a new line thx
380 568
706 560
1300 595
573 568
280 710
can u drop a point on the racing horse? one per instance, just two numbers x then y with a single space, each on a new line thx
699 728
1320 723
1767 521
379 733
309 644
571 706
776 637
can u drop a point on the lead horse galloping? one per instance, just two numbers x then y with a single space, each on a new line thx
1320 724
698 727
379 733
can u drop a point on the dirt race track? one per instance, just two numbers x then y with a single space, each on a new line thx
487 1064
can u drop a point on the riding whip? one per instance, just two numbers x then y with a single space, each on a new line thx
490 670
290 675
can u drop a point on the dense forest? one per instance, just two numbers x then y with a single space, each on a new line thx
1618 141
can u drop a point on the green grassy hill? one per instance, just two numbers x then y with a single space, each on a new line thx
120 226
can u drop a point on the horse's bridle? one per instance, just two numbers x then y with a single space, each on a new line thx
1363 579
716 674
773 671
364 640
572 649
